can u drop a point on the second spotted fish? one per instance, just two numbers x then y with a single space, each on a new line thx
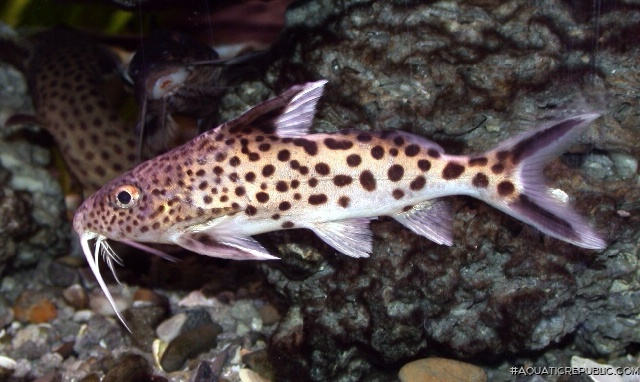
263 172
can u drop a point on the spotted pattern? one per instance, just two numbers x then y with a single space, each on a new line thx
71 104
433 153
322 168
418 183
377 152
354 160
337 144
480 180
424 165
412 150
282 186
497 168
479 161
368 181
317 199
506 188
262 197
268 170
342 180
452 171
395 173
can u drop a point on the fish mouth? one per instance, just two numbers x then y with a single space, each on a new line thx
166 82
101 248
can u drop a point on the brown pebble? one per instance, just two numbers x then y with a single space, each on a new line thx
34 307
76 296
93 377
441 369
189 344
128 368
269 314
258 361
145 295
51 377
65 350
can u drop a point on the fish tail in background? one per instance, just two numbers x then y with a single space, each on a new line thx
520 189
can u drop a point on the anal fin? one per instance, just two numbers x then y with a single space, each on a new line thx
226 247
351 237
432 219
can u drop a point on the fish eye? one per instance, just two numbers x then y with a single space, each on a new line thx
125 196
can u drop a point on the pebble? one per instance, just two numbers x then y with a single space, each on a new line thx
626 166
7 366
76 296
93 377
99 303
258 361
599 166
6 312
169 329
61 274
248 375
34 307
142 321
129 368
204 373
99 332
143 296
269 314
247 316
65 350
189 344
441 370
32 341
51 377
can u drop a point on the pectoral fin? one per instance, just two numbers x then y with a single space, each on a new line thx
432 219
226 247
351 237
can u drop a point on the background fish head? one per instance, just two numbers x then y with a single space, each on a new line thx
161 64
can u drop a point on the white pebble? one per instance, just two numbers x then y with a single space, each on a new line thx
169 329
7 363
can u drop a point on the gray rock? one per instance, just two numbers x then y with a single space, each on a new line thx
39 209
14 222
33 341
100 333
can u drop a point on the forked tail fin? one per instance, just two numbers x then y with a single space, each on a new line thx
520 188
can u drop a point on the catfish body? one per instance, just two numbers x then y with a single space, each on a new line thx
263 172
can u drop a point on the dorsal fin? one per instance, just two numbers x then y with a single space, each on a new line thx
287 115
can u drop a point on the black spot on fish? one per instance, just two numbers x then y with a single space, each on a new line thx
452 171
367 181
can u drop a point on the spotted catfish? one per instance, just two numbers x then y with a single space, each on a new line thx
263 172
65 71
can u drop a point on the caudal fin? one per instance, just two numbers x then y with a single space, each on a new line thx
520 188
